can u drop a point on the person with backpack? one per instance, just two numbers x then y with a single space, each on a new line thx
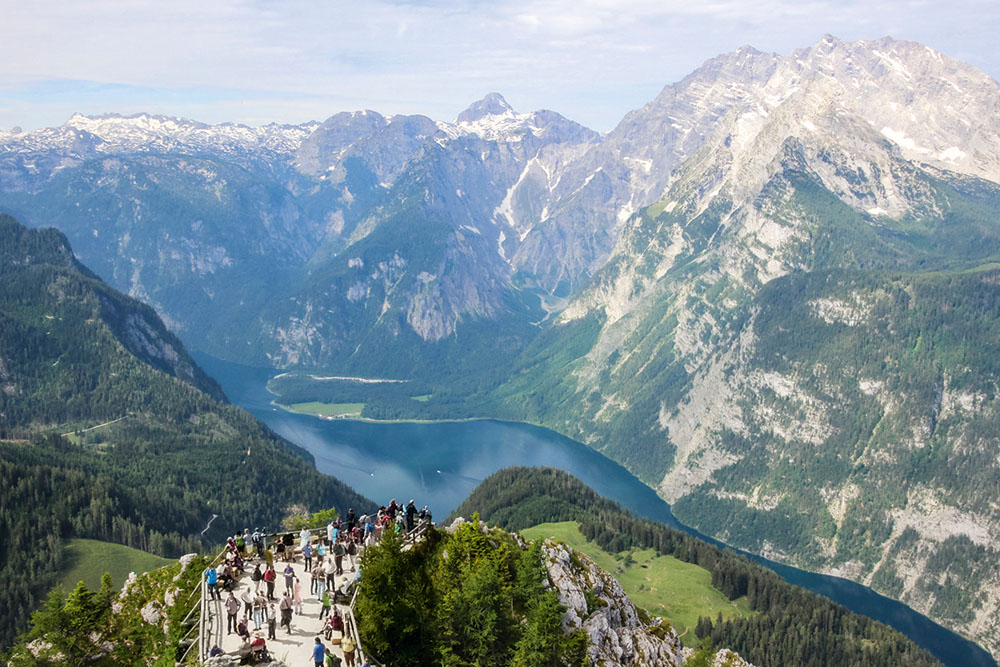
338 556
257 540
332 660
256 577
285 607
232 609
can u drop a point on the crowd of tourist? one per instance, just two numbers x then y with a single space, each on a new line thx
324 556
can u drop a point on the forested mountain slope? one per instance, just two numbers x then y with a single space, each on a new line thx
167 452
791 626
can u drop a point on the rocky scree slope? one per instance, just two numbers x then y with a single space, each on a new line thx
792 344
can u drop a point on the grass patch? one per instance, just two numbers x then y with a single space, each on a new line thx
88 560
422 399
326 409
663 585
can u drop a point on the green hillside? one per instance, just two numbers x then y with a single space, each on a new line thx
171 453
662 585
788 625
87 561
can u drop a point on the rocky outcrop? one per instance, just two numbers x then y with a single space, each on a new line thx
619 633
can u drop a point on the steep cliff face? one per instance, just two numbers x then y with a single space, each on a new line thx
596 602
619 633
795 336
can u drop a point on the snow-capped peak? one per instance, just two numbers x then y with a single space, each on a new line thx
492 105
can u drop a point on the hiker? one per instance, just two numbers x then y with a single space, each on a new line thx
347 646
411 512
289 578
247 604
256 576
352 552
327 603
350 520
269 576
259 610
330 570
232 608
285 606
212 580
297 596
241 544
320 552
331 659
338 556
269 557
318 576
304 537
272 621
307 553
289 541
319 651
257 540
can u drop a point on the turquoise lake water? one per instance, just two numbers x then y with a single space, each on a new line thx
439 464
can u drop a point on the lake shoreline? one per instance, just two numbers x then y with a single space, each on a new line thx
441 461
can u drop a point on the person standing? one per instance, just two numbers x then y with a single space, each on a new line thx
269 576
320 552
256 577
258 542
212 579
319 574
307 553
285 606
289 578
350 520
297 596
259 609
269 557
272 621
347 646
319 651
338 556
232 609
330 570
411 512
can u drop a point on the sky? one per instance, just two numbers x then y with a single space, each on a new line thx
256 61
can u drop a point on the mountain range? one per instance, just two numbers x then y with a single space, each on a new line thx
771 292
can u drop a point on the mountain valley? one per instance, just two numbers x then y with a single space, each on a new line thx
771 293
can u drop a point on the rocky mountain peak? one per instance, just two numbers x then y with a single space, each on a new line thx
492 105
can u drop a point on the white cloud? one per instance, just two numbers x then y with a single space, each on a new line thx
592 60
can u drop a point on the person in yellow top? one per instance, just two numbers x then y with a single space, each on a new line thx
347 646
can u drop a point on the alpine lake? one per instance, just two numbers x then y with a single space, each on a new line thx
439 464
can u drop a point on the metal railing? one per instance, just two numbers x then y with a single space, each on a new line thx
206 621
207 629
